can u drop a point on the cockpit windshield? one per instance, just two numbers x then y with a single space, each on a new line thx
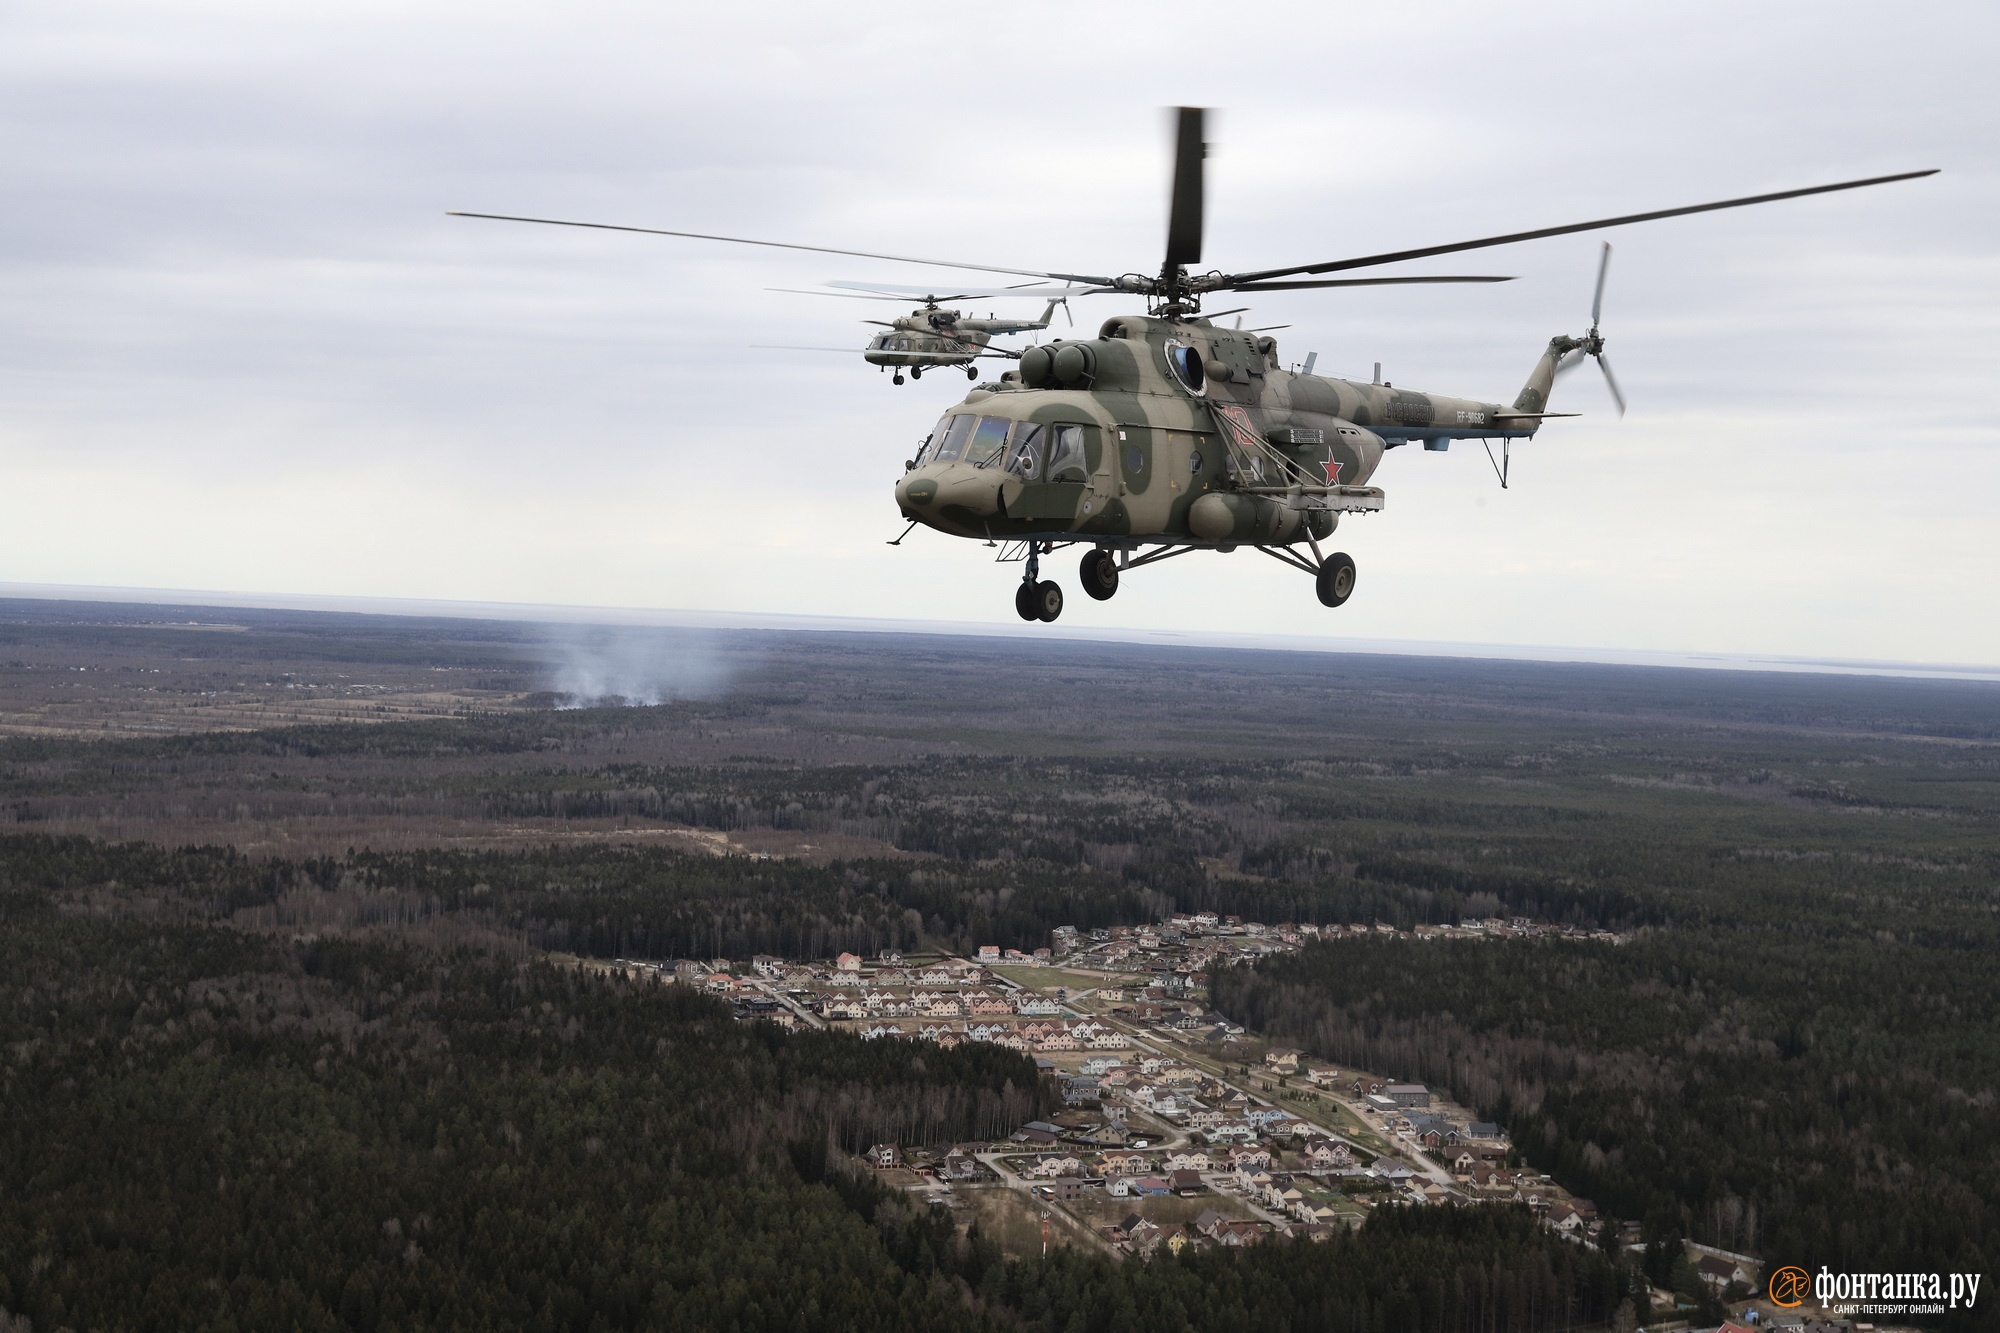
989 442
948 440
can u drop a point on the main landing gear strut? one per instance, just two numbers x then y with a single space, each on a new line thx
1040 599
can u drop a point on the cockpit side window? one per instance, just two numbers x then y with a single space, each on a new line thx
989 442
1024 453
949 438
1065 454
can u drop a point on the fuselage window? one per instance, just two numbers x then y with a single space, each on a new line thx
1194 463
1024 455
952 435
1066 461
989 442
1185 362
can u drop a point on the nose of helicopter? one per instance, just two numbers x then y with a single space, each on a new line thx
956 486
915 491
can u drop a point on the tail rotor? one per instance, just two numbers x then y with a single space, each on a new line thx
1592 343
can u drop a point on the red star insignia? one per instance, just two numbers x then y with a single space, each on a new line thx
1332 467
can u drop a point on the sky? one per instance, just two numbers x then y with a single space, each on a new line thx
242 347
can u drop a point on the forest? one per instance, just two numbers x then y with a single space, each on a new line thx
202 1127
285 1040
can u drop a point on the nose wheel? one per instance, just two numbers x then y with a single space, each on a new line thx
1039 601
972 372
1037 598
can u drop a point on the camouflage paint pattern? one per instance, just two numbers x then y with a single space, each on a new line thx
1158 466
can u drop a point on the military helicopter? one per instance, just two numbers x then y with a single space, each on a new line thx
931 337
1165 434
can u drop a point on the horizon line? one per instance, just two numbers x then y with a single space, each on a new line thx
669 617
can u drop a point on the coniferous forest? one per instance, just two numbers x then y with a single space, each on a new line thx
287 1037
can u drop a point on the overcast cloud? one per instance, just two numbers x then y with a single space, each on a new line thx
241 346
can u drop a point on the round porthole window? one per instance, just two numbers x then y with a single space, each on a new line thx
1185 363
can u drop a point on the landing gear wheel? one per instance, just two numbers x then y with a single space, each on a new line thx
1100 575
899 377
1048 600
916 372
972 372
1027 601
1336 578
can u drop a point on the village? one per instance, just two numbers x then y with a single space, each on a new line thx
1177 1127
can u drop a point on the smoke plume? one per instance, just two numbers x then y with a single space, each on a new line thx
603 665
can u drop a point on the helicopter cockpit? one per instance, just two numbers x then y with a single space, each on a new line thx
1027 449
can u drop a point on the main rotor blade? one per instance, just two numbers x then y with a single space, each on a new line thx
794 347
1597 301
1184 215
1369 261
962 293
1611 383
788 245
1352 282
842 296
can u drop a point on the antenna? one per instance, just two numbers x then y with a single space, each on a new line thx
1311 357
1378 372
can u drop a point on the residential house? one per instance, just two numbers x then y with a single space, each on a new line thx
1188 1159
884 1155
1186 1182
1408 1094
1719 1272
1561 1217
1053 1166
1329 1156
848 962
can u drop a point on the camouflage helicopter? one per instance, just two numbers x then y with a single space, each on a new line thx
931 337
1165 434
